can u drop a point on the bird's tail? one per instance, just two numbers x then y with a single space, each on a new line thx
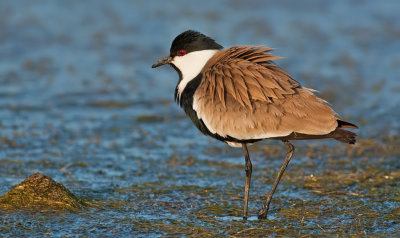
338 134
344 136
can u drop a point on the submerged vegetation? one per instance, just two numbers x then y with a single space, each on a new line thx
324 192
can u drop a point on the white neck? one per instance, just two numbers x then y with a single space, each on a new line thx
191 65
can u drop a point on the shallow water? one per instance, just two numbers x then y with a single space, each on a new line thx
79 102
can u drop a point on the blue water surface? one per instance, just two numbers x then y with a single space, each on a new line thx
80 102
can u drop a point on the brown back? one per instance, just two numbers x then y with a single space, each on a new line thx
244 95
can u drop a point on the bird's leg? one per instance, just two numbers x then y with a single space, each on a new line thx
262 214
248 170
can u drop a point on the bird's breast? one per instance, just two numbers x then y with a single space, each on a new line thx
190 65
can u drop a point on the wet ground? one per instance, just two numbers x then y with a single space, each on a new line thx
80 103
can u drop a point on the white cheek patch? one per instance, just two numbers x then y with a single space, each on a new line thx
191 65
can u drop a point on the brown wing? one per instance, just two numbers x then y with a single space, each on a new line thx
243 95
247 74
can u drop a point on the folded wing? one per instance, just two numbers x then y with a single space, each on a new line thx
245 96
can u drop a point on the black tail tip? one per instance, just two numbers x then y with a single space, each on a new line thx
345 124
345 136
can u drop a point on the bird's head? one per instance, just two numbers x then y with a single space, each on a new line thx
189 47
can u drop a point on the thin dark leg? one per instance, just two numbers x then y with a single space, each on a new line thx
249 169
262 214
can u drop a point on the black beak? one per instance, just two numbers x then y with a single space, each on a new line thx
166 60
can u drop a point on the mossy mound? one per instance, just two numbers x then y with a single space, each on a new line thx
41 192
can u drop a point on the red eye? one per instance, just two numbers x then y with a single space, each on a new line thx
182 52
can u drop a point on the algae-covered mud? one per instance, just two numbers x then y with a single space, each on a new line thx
39 192
80 103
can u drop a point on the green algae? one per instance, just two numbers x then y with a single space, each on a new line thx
149 119
40 192
110 104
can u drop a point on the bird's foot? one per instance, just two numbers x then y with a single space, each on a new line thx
262 214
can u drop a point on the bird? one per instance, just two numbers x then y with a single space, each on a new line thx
239 95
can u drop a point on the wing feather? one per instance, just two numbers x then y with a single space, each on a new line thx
220 88
244 95
247 74
229 86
